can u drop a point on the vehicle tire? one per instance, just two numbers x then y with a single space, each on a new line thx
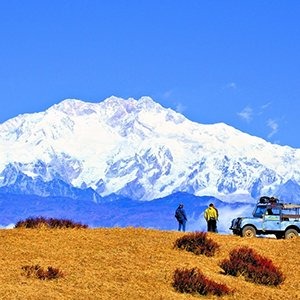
248 232
291 234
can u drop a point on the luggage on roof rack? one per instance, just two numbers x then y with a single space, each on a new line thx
266 199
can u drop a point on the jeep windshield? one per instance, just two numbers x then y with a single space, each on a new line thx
259 211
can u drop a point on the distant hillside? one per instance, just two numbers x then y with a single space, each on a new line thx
117 211
129 264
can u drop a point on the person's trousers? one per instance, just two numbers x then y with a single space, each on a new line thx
212 225
181 225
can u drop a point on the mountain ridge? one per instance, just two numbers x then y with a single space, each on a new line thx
141 150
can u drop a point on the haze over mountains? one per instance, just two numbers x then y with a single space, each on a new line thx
139 150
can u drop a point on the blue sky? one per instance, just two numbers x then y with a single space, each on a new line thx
236 62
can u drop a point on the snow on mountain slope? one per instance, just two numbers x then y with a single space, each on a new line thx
138 149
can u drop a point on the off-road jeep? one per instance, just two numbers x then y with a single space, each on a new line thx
270 216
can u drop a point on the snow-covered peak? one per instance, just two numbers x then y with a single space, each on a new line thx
142 150
73 107
114 105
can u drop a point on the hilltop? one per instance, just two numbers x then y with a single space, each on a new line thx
129 263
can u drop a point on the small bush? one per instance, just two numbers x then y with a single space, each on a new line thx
37 271
194 282
197 243
254 267
41 222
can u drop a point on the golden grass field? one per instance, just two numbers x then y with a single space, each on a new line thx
130 263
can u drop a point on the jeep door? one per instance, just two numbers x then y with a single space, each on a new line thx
271 219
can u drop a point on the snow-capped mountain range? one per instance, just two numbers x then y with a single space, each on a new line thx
140 150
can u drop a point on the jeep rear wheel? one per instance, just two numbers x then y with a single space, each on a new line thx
248 232
291 234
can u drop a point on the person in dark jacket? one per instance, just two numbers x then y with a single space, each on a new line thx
180 215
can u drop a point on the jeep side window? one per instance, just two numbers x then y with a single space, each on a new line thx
273 211
276 211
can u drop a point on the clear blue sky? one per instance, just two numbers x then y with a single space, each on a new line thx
236 62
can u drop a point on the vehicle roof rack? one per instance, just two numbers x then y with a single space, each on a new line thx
291 206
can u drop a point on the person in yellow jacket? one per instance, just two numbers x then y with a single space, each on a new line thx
211 215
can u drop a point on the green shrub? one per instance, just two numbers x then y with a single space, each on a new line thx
40 222
254 267
37 271
194 282
197 243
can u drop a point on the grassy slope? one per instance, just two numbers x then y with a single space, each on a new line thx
129 264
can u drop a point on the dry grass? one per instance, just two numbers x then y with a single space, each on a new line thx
129 264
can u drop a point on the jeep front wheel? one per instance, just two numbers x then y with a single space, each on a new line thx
248 232
291 234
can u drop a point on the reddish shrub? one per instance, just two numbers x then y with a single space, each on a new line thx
266 274
193 281
39 222
254 267
246 255
38 272
197 243
233 267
